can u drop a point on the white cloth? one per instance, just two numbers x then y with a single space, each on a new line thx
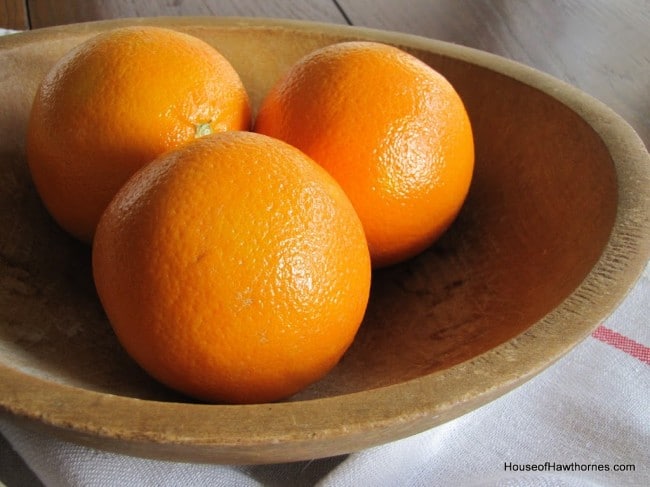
573 425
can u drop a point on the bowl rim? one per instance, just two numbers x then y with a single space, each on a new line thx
298 430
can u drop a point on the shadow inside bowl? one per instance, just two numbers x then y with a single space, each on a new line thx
51 322
538 216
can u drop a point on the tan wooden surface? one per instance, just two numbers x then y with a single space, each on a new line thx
13 14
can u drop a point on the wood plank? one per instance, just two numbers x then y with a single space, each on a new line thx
44 13
597 45
13 14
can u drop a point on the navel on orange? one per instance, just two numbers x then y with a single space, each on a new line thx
233 269
390 129
113 104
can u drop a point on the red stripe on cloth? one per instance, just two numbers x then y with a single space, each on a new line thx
627 345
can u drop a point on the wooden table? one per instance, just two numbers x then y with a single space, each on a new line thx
600 46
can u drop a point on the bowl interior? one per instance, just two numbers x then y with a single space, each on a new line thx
539 214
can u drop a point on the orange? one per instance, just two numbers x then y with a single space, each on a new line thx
233 269
113 104
390 129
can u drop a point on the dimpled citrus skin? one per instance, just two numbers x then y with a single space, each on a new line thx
234 269
391 130
114 103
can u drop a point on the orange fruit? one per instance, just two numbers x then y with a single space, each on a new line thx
113 104
390 129
233 269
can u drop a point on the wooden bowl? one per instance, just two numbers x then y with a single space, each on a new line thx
554 233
